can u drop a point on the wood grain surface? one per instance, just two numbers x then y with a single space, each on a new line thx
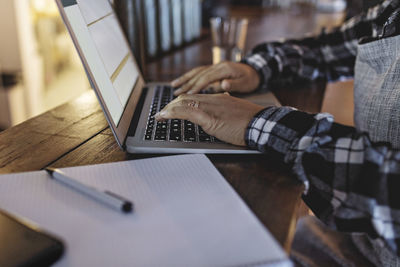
34 144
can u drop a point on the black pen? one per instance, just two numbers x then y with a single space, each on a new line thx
111 199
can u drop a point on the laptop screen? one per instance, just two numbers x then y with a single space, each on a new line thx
106 51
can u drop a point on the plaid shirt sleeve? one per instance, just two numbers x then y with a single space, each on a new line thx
351 183
329 56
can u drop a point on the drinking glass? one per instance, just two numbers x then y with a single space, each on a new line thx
229 38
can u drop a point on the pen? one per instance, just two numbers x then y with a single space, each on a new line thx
111 199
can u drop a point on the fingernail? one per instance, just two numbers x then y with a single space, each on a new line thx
160 114
174 82
225 85
177 92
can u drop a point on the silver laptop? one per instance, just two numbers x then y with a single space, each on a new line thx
128 103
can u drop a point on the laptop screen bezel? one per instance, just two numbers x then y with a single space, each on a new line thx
121 129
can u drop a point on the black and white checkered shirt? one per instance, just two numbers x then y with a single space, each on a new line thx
351 183
330 56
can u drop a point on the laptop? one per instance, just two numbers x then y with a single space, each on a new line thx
128 103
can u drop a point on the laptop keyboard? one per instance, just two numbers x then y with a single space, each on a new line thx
172 130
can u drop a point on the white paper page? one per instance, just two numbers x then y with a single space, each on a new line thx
186 214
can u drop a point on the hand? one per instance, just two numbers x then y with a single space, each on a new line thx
220 115
226 76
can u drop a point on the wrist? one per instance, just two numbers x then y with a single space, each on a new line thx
260 66
255 127
253 76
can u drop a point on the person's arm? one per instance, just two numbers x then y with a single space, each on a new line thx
351 183
330 56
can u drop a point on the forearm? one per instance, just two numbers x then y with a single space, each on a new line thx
351 183
329 56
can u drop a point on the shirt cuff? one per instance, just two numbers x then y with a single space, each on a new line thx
276 129
260 64
262 125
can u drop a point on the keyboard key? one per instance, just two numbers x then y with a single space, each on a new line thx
175 131
176 125
147 137
190 127
188 133
189 123
161 131
190 130
190 138
201 131
175 137
161 127
204 138
160 137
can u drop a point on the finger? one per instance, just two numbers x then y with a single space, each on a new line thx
208 103
206 100
187 76
195 115
204 103
204 78
188 86
190 100
226 85
233 85
213 88
210 76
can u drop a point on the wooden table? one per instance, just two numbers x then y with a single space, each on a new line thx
77 133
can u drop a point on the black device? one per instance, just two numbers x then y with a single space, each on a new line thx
24 244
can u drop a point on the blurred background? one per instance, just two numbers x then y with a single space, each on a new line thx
40 68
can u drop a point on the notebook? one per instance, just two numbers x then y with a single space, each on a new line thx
186 214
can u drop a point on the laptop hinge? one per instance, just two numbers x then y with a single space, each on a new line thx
136 115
